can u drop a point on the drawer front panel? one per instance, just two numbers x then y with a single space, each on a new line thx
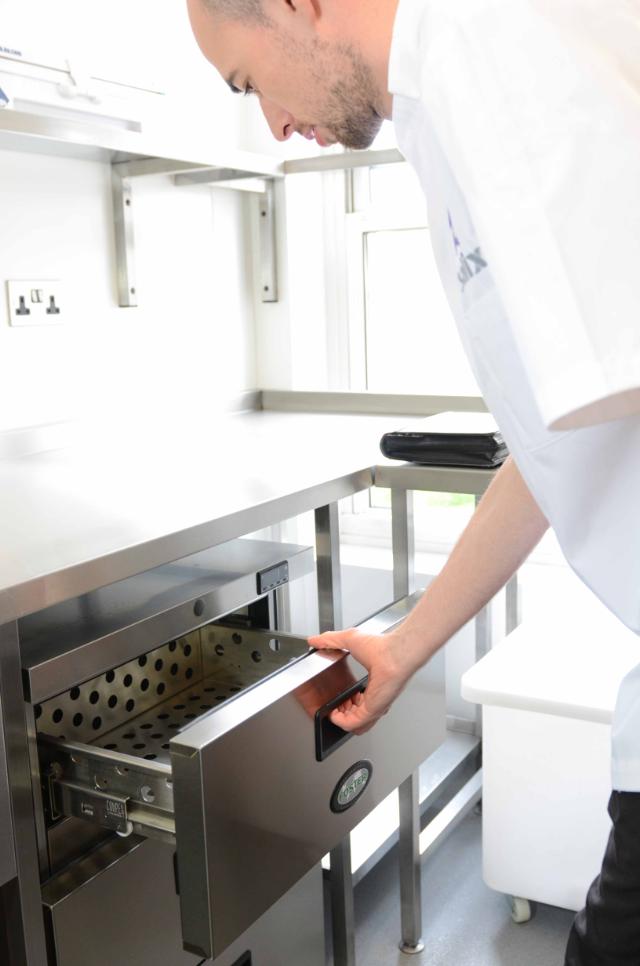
253 804
117 906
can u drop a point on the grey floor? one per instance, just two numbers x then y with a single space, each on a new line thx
465 923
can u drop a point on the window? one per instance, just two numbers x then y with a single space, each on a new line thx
402 336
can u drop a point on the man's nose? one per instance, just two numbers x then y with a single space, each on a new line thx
282 123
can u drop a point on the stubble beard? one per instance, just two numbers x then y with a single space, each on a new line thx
356 121
350 113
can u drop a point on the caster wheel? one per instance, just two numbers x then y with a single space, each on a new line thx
520 909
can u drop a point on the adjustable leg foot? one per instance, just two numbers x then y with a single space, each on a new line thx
409 855
411 949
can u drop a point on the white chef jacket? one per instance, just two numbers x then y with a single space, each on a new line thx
522 120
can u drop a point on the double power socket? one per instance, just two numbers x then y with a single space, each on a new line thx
36 302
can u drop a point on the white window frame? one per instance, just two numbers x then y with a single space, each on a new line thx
359 225
345 275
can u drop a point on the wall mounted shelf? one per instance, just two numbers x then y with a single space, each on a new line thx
135 155
132 154
345 161
146 154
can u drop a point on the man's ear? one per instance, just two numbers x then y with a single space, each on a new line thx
298 15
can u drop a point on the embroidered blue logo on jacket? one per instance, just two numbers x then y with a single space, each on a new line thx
471 263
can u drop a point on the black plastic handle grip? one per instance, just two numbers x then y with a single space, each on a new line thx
328 736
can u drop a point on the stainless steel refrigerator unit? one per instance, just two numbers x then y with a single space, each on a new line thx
186 775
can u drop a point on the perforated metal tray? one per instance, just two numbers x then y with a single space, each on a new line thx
137 707
111 736
91 710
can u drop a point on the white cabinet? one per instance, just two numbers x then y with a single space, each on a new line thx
547 694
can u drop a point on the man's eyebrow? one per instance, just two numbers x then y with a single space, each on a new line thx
231 83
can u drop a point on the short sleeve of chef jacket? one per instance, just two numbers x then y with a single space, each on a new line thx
537 106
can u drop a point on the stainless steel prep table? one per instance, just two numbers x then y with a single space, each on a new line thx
77 519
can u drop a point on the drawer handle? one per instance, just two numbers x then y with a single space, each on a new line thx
328 736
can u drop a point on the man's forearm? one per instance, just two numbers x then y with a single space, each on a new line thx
501 534
505 528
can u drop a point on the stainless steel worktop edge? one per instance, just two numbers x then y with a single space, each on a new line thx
79 518
88 575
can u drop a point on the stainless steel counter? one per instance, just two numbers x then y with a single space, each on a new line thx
79 518
75 519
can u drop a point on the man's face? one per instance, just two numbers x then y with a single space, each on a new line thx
307 84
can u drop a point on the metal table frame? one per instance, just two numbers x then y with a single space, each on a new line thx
28 936
403 480
23 893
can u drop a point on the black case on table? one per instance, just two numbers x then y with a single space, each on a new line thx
448 439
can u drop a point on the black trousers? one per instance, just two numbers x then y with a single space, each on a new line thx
607 931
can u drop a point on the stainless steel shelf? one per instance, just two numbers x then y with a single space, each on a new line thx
22 131
132 154
343 161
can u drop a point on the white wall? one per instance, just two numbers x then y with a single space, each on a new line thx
190 344
291 334
292 347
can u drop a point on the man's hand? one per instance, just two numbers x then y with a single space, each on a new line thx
389 670
504 529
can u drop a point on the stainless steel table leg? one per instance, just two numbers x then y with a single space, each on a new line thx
27 935
342 914
513 604
403 543
409 857
330 608
328 567
484 636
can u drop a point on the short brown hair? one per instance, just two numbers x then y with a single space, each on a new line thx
238 9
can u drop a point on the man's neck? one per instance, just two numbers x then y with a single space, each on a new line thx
369 26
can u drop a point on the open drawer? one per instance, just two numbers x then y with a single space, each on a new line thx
236 763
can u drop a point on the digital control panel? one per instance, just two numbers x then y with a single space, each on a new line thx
273 577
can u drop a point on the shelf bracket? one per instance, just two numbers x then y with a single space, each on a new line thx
265 190
122 174
213 176
267 242
123 222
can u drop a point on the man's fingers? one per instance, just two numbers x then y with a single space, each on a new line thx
334 640
330 640
356 718
344 719
362 709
